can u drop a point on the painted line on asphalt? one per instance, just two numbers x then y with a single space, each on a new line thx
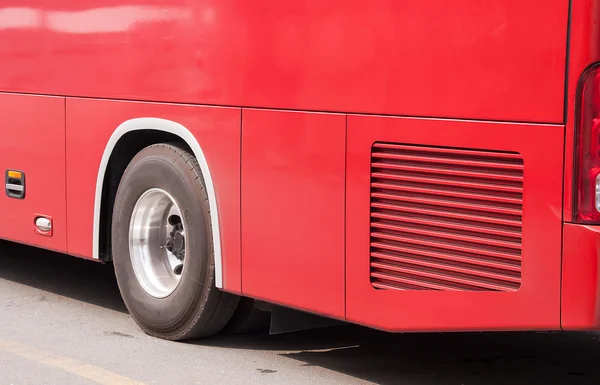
81 369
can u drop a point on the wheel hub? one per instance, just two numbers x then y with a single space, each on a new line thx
176 243
157 242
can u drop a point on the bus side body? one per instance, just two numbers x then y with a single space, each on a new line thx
405 165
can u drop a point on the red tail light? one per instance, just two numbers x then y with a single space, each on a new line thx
587 150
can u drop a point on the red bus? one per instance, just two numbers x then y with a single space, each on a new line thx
405 165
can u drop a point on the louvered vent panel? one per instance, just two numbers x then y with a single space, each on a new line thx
445 219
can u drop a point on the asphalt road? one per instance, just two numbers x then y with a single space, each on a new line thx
63 322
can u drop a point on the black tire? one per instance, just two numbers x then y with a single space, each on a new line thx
196 308
248 319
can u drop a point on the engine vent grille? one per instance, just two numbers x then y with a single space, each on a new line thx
445 219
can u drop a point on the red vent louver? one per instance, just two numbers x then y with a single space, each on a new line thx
445 219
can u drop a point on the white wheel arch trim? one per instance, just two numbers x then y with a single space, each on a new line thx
177 129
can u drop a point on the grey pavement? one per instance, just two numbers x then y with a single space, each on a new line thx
62 322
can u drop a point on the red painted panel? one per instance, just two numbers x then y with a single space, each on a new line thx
499 59
33 141
535 305
583 51
581 278
90 123
293 209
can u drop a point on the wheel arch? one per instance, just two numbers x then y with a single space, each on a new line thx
172 129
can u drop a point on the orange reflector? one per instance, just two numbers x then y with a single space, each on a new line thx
15 174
